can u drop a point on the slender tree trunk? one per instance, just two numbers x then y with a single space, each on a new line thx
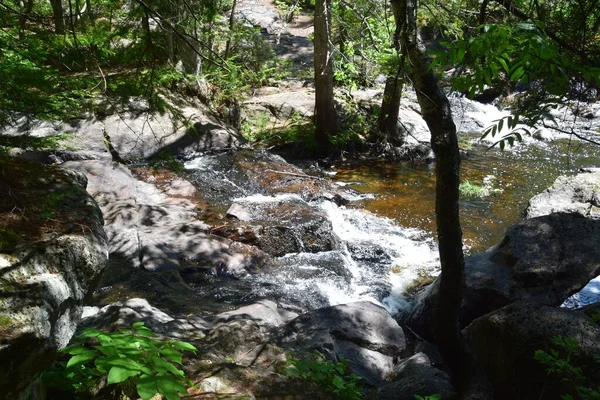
231 24
326 123
435 107
392 94
148 32
58 15
25 11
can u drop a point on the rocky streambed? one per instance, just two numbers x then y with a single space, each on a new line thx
256 261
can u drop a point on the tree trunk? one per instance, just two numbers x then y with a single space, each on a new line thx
390 105
435 108
231 24
325 119
25 11
58 14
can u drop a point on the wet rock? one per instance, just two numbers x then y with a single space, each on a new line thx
543 260
505 342
180 188
281 226
238 212
362 332
48 272
543 134
415 376
231 175
579 193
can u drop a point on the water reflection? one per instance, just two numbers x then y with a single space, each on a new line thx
405 192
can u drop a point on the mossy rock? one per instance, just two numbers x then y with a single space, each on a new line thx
8 240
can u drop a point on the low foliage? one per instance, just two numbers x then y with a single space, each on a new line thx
132 356
333 377
561 362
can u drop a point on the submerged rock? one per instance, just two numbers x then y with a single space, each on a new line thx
48 272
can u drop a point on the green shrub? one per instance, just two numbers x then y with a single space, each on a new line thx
131 358
333 377
560 362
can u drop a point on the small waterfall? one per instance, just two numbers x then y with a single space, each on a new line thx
376 261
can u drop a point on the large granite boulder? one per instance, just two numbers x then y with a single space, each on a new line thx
362 332
505 341
543 260
53 249
578 194
415 376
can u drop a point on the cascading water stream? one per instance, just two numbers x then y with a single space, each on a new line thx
376 261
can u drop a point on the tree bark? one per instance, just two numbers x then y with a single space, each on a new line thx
435 107
392 94
26 9
58 15
231 25
326 123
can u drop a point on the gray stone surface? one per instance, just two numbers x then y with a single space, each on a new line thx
135 132
415 376
543 260
288 225
281 105
148 229
579 193
43 284
265 312
362 332
505 342
123 314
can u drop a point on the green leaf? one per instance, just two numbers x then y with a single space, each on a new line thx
504 65
80 359
147 387
184 346
122 362
120 374
170 387
171 354
500 125
517 73
74 350
164 366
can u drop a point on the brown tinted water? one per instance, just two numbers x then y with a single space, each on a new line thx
405 192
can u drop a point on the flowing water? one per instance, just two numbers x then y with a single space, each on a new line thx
386 235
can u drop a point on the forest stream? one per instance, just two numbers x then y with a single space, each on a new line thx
386 232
